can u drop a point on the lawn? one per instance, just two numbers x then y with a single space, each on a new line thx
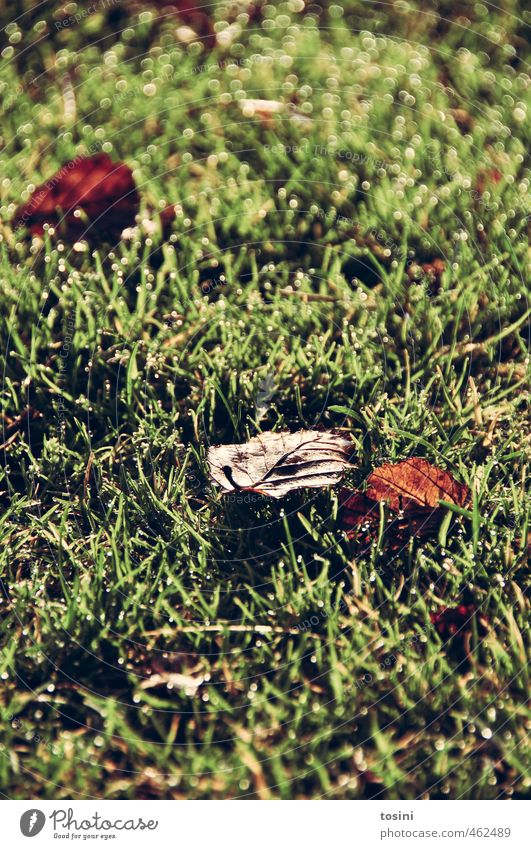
350 252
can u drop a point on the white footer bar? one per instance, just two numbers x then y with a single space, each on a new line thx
266 825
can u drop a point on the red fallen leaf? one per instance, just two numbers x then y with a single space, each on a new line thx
412 490
193 16
434 269
93 188
255 11
275 464
415 483
167 217
490 177
449 621
455 627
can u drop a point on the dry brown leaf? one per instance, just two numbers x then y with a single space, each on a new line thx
412 490
180 671
173 680
415 483
103 190
275 464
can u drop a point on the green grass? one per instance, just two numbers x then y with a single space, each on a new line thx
308 669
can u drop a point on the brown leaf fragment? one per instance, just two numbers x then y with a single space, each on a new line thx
463 119
10 428
360 516
275 464
178 671
173 680
433 270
